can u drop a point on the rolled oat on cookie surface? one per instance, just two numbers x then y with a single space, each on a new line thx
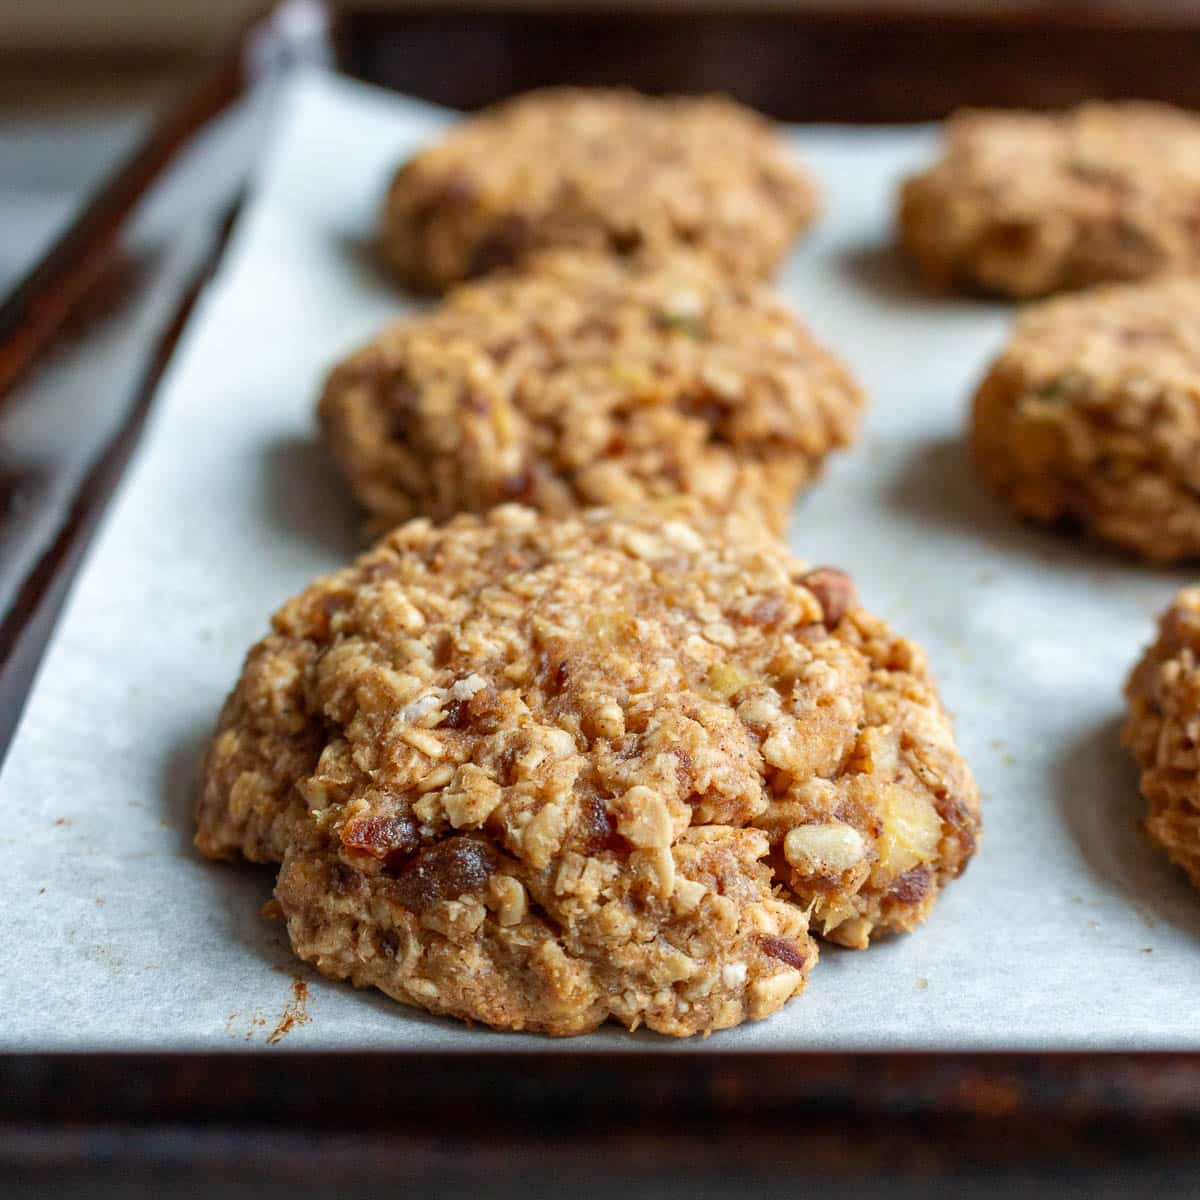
1091 415
1163 731
543 772
599 169
585 380
1025 204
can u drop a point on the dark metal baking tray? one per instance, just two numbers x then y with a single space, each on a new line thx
83 343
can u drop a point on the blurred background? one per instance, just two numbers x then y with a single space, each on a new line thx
81 80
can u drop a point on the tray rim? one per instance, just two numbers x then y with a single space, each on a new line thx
834 1114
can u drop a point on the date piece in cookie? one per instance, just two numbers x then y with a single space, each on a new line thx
1163 731
611 171
1025 204
1091 415
588 380
542 772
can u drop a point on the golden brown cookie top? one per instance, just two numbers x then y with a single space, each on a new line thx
1136 335
1031 203
586 380
567 682
1095 149
1090 416
599 686
607 169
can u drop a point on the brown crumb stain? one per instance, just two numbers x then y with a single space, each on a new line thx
295 1013
1147 949
254 1022
63 821
922 984
41 891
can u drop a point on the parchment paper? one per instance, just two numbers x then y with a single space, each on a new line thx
1067 931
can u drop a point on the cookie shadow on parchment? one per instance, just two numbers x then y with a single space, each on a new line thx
881 269
939 486
236 892
1102 809
885 271
303 496
181 782
362 256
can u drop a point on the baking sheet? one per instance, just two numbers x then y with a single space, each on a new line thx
1067 931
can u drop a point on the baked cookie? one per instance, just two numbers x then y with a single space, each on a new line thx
1025 204
1092 415
587 380
612 171
1163 731
542 772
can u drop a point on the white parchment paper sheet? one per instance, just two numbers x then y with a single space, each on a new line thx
1067 931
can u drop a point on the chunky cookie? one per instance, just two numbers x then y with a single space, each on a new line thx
587 380
1091 415
611 171
1163 731
542 772
1026 204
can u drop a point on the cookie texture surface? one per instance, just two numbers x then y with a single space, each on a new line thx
1025 204
1163 732
543 772
611 171
587 380
1091 415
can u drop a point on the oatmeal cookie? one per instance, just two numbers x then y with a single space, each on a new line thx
1163 731
607 170
1092 415
542 772
1025 204
587 380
